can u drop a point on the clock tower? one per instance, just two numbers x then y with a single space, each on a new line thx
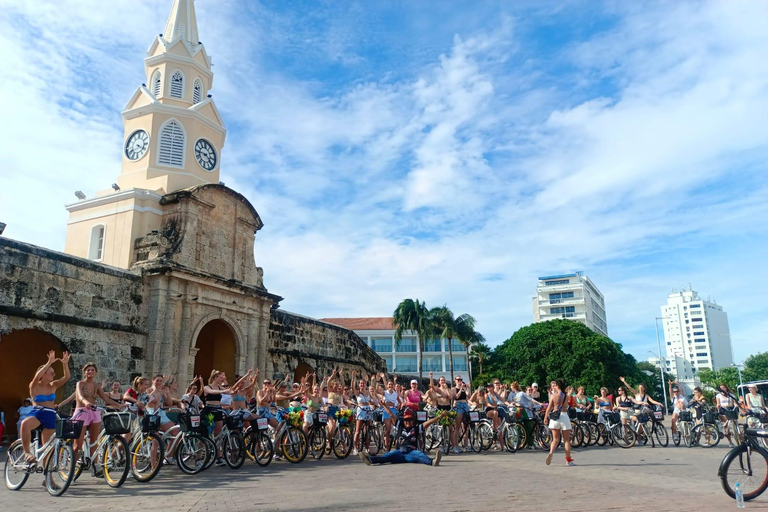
172 140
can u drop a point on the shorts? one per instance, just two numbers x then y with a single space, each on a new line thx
562 423
462 408
87 415
332 410
676 411
265 412
163 416
363 414
390 413
626 415
309 417
215 410
443 407
45 415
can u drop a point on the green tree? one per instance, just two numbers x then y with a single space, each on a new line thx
481 353
412 315
756 367
443 325
713 378
467 335
563 349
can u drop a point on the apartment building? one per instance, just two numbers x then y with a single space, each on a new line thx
573 297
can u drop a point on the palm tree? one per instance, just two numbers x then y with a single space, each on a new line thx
443 325
467 335
480 352
412 315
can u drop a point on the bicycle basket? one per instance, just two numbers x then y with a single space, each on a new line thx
710 417
731 414
150 423
193 423
658 415
643 417
573 414
613 417
116 423
684 416
68 429
234 422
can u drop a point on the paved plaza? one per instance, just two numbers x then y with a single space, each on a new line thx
641 478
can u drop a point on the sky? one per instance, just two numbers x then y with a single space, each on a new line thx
447 151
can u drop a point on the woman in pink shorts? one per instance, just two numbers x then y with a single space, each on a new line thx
86 393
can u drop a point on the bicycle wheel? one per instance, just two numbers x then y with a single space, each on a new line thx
676 437
661 435
706 435
146 452
372 441
260 447
542 436
590 433
211 453
342 442
475 438
114 460
191 454
317 440
514 437
432 436
686 436
577 435
16 472
602 434
234 450
59 468
749 468
484 429
624 436
293 444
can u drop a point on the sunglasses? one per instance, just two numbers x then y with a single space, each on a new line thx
266 382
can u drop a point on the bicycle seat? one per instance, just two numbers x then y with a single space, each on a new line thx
754 432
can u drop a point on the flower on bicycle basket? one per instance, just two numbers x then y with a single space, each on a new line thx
448 419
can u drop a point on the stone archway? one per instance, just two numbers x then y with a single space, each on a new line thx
302 370
216 347
21 353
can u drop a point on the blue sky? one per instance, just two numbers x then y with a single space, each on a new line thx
449 151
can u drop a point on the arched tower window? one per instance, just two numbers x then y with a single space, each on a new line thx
157 83
197 93
96 248
177 85
171 151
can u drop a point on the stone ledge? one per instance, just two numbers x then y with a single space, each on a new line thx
66 319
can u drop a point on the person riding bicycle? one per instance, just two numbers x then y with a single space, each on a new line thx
725 401
604 405
642 400
364 411
755 403
408 442
460 394
43 388
679 402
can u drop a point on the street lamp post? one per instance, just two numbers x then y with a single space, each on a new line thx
741 382
661 360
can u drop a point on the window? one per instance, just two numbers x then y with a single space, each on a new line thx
699 333
669 343
433 363
702 362
407 345
433 346
695 306
388 360
459 364
566 309
555 283
556 298
698 326
696 319
96 250
157 84
702 354
381 344
457 346
171 145
406 364
700 340
177 85
687 321
197 93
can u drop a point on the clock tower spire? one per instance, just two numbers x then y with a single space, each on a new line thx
173 137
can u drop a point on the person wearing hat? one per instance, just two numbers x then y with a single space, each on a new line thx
535 391
407 440
755 402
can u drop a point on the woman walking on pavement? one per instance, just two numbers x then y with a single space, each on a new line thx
559 423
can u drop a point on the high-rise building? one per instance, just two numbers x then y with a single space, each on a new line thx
573 297
697 331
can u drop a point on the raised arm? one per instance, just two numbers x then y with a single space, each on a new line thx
65 366
630 388
42 370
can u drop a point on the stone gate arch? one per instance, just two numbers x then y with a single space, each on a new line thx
218 345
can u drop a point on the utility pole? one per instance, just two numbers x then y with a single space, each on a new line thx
661 361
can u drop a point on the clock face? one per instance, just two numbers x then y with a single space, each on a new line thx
137 144
205 154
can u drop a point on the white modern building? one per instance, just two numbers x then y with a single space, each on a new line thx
684 372
573 297
695 330
403 357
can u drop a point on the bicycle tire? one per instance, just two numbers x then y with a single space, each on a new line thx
260 447
542 436
192 452
514 437
211 454
372 441
15 476
741 458
114 461
141 451
484 430
686 435
661 434
294 445
63 457
317 441
234 450
676 437
602 434
474 439
341 444
706 435
577 435
624 436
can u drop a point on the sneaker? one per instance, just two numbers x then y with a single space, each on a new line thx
457 450
570 463
220 462
365 458
436 460
355 452
549 458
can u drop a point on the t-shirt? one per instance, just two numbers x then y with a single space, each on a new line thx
409 438
679 398
725 400
193 401
24 411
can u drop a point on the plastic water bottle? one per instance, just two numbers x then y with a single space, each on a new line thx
739 496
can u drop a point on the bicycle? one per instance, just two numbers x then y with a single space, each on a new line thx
229 441
195 451
317 436
59 458
731 426
684 431
147 450
290 439
258 445
747 465
341 439
619 433
541 433
705 433
111 454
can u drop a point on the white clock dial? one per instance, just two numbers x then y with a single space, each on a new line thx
205 154
137 144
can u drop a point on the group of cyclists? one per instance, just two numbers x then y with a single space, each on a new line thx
218 421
